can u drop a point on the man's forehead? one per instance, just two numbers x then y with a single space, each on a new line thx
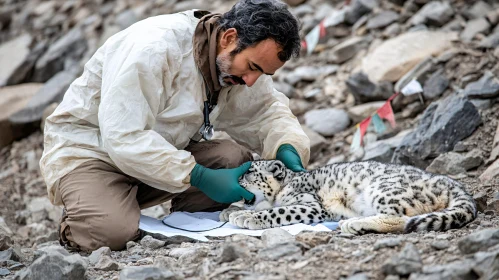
264 55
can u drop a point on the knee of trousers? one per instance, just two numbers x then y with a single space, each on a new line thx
233 154
113 231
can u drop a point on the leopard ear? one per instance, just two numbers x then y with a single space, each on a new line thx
278 169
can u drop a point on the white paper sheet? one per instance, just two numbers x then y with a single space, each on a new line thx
207 223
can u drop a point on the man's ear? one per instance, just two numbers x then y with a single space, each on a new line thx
228 38
278 169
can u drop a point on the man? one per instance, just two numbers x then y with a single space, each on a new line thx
125 136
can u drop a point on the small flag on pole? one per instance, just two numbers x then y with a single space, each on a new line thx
385 112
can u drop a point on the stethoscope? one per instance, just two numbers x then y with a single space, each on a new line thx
207 129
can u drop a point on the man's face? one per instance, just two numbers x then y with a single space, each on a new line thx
248 65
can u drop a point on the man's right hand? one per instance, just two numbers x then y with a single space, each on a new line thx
221 185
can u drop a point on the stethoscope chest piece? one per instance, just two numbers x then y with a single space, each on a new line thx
207 129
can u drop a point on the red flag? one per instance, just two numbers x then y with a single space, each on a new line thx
363 127
386 112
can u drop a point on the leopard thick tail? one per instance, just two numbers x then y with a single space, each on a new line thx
460 211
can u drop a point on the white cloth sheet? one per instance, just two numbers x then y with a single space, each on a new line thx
208 224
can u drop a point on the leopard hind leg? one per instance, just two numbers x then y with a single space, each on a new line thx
380 223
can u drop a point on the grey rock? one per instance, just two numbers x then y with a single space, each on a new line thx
274 236
130 245
99 253
52 236
151 243
106 263
358 276
491 172
387 243
313 238
420 72
482 104
280 251
4 272
4 228
453 163
165 262
13 55
52 91
309 73
419 27
194 256
392 30
317 142
70 46
364 90
285 88
455 270
486 264
178 252
233 251
479 241
147 273
302 10
359 112
487 87
57 249
435 13
358 8
442 125
481 201
327 122
5 241
490 42
493 205
126 18
473 27
478 10
181 6
299 106
54 265
346 50
12 254
440 244
382 19
436 84
405 263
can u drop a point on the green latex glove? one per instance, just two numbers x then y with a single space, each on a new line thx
290 157
221 185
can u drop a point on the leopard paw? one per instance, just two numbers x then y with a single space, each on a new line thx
224 215
245 219
352 226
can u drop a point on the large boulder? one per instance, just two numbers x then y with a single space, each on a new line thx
54 265
69 47
395 57
442 125
12 100
13 55
53 91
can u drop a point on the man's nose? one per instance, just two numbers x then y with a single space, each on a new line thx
251 78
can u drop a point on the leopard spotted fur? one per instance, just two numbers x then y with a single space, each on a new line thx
365 197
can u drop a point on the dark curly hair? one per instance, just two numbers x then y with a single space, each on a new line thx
258 20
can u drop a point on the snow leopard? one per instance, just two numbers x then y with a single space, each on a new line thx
364 197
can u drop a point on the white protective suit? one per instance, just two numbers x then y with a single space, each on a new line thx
140 100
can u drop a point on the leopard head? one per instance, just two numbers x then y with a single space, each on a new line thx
265 178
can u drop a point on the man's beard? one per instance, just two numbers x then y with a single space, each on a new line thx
224 62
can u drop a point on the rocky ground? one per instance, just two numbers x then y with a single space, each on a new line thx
367 50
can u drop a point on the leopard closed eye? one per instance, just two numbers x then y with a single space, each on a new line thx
365 197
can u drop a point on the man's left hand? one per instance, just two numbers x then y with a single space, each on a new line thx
290 157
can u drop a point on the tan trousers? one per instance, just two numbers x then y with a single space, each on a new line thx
102 204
